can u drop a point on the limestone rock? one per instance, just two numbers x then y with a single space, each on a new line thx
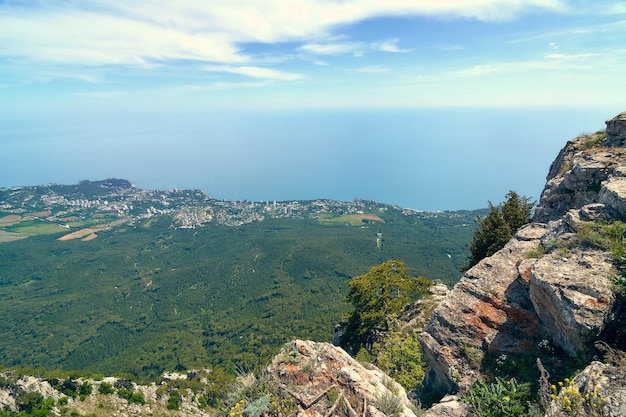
309 370
578 177
607 380
510 302
573 297
488 310
449 406
616 131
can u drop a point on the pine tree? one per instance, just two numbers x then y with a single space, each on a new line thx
498 227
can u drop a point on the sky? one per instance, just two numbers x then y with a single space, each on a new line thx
432 105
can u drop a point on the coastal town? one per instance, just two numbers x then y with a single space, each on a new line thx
117 201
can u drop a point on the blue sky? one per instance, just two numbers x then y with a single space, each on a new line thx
279 99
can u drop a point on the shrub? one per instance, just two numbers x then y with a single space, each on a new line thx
84 390
389 404
106 388
173 403
573 403
498 399
400 356
131 396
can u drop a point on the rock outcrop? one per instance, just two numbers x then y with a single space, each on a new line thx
548 284
309 371
602 382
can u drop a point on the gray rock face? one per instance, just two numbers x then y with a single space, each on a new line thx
579 176
488 311
573 297
449 406
616 131
606 381
510 302
308 370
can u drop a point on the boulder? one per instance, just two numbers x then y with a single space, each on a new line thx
616 131
448 406
488 311
546 283
573 297
604 383
309 371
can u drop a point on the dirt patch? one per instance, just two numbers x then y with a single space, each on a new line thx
9 237
77 234
90 237
9 220
89 233
372 217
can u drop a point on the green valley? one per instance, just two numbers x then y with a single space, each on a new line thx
143 295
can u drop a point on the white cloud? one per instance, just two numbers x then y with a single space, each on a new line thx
570 56
119 32
388 46
255 72
331 48
102 94
374 69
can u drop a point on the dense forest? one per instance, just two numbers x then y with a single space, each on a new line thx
147 298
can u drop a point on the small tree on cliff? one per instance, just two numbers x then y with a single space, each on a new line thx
499 226
378 297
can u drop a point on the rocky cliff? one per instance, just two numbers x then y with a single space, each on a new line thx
551 287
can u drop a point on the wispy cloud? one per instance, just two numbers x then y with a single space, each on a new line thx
116 32
331 48
255 72
102 94
388 46
570 56
374 69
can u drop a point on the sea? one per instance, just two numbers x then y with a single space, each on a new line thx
420 158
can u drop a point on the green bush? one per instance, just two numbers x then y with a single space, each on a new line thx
105 388
498 227
400 357
498 399
131 396
378 297
173 403
84 390
389 404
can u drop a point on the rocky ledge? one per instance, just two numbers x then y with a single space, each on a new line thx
549 285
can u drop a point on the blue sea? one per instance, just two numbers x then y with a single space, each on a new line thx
425 159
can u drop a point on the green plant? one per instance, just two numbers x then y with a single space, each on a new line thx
592 140
389 404
378 298
574 403
498 399
105 388
131 396
400 356
498 226
84 390
537 253
173 402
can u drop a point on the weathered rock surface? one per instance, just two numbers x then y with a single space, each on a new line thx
616 131
96 403
510 302
309 370
607 381
449 406
579 176
573 297
488 311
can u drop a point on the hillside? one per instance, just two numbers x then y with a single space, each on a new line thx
106 277
555 293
